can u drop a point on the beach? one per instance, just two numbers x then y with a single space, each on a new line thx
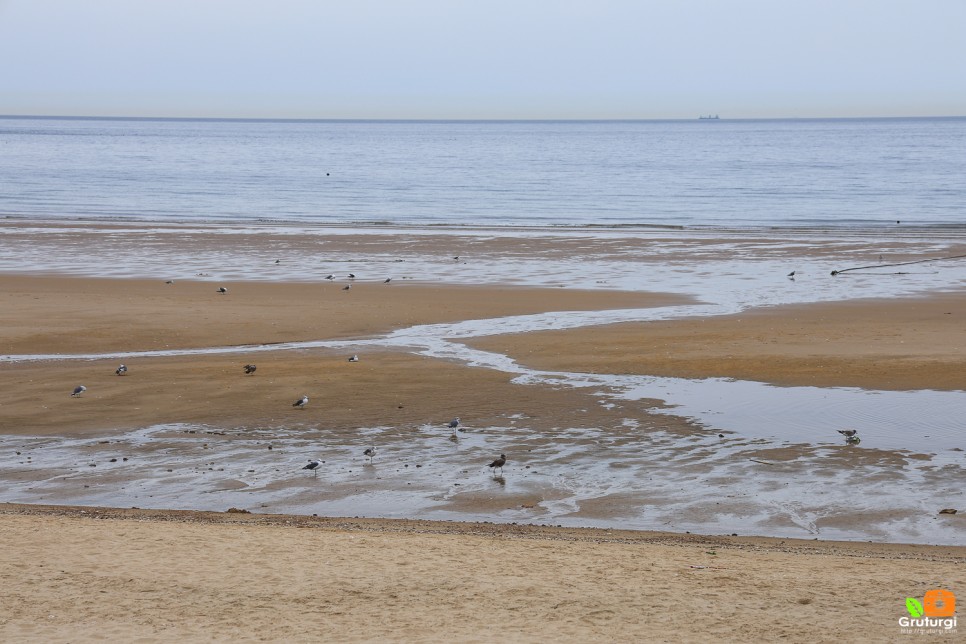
515 357
76 574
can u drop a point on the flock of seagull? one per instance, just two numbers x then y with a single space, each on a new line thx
851 435
455 424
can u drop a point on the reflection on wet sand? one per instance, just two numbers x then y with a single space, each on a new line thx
628 477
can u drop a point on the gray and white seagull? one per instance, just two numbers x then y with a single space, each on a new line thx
78 390
301 402
313 465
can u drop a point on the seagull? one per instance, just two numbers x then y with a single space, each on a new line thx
330 277
222 289
313 465
848 433
792 274
278 261
301 402
352 276
347 287
354 358
498 463
169 282
78 390
120 371
371 452
453 424
388 279
250 368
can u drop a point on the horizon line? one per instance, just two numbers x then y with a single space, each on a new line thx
106 117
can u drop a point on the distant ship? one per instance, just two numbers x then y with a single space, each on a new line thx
705 118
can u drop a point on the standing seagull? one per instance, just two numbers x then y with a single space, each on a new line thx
371 452
498 463
120 371
330 277
454 424
347 287
222 290
301 402
78 390
313 465
250 368
354 358
388 279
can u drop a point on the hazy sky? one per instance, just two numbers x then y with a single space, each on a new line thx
483 58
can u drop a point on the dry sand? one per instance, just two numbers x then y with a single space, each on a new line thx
71 574
164 576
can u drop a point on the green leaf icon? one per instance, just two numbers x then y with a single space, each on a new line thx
914 606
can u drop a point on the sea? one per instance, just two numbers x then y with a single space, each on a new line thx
681 173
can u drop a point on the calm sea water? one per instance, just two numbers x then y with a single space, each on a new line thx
690 173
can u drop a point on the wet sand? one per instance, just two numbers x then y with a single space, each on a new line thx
898 344
80 574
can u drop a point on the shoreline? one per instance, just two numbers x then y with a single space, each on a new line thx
815 546
864 228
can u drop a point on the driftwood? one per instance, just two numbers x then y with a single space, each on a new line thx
918 261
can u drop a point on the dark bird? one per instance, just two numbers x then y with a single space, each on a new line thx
250 368
330 277
848 433
170 282
792 274
347 287
120 371
387 280
498 463
353 358
78 390
278 261
313 465
301 402
352 276
371 452
222 289
453 424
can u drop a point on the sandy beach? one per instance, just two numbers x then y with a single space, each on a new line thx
83 573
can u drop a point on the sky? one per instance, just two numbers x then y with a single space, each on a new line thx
497 59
